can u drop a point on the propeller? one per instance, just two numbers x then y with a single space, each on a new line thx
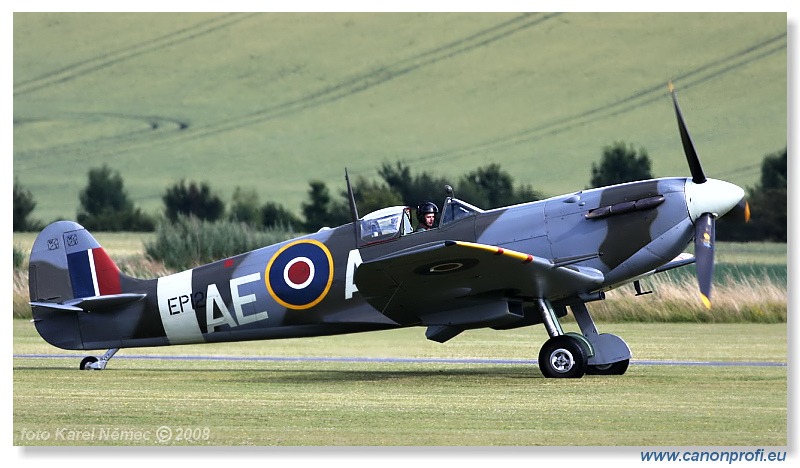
706 199
741 211
704 233
698 177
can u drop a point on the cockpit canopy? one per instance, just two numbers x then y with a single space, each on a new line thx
386 223
455 209
390 223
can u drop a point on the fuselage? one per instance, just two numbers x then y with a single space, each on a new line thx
305 287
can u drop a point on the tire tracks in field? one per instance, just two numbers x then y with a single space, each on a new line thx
91 65
142 125
634 101
337 91
375 77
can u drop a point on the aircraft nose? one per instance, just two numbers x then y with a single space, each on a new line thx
712 196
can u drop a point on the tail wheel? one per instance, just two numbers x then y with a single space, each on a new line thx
87 361
563 357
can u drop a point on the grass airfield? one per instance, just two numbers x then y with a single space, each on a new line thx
299 403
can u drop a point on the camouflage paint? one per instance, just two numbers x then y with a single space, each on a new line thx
300 287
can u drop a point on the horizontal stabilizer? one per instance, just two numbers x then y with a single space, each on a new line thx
93 303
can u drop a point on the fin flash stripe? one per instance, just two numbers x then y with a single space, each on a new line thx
93 273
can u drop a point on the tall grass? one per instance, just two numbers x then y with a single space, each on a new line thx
190 242
676 298
21 308
19 256
750 284
740 300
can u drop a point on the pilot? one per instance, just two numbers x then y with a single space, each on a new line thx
426 214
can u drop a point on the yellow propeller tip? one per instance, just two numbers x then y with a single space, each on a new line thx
670 86
746 212
706 301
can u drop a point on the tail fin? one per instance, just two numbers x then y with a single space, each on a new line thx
70 275
68 263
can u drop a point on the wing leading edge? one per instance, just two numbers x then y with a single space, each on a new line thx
410 285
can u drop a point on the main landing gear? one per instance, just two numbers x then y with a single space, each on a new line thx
93 363
571 355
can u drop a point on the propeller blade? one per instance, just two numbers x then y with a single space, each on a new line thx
698 177
704 233
741 211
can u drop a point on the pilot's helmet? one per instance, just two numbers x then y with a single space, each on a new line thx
425 208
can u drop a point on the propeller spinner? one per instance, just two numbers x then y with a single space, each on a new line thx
706 199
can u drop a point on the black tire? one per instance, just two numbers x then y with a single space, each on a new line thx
86 361
562 357
615 368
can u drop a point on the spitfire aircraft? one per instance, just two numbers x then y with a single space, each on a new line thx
503 268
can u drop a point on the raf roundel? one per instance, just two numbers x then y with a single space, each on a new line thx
300 274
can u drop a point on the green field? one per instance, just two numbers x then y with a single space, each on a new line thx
351 403
271 101
736 261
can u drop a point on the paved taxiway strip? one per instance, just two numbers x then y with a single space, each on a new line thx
644 362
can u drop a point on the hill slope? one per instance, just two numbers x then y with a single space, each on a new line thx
271 101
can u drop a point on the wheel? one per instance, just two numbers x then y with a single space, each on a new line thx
615 368
86 361
562 357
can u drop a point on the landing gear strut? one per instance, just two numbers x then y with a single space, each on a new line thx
93 363
571 355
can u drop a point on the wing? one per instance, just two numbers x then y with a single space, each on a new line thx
679 261
450 275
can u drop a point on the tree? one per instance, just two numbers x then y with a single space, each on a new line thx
492 187
274 215
24 205
321 211
620 164
767 204
244 207
196 200
768 199
773 170
415 189
316 210
105 205
371 196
